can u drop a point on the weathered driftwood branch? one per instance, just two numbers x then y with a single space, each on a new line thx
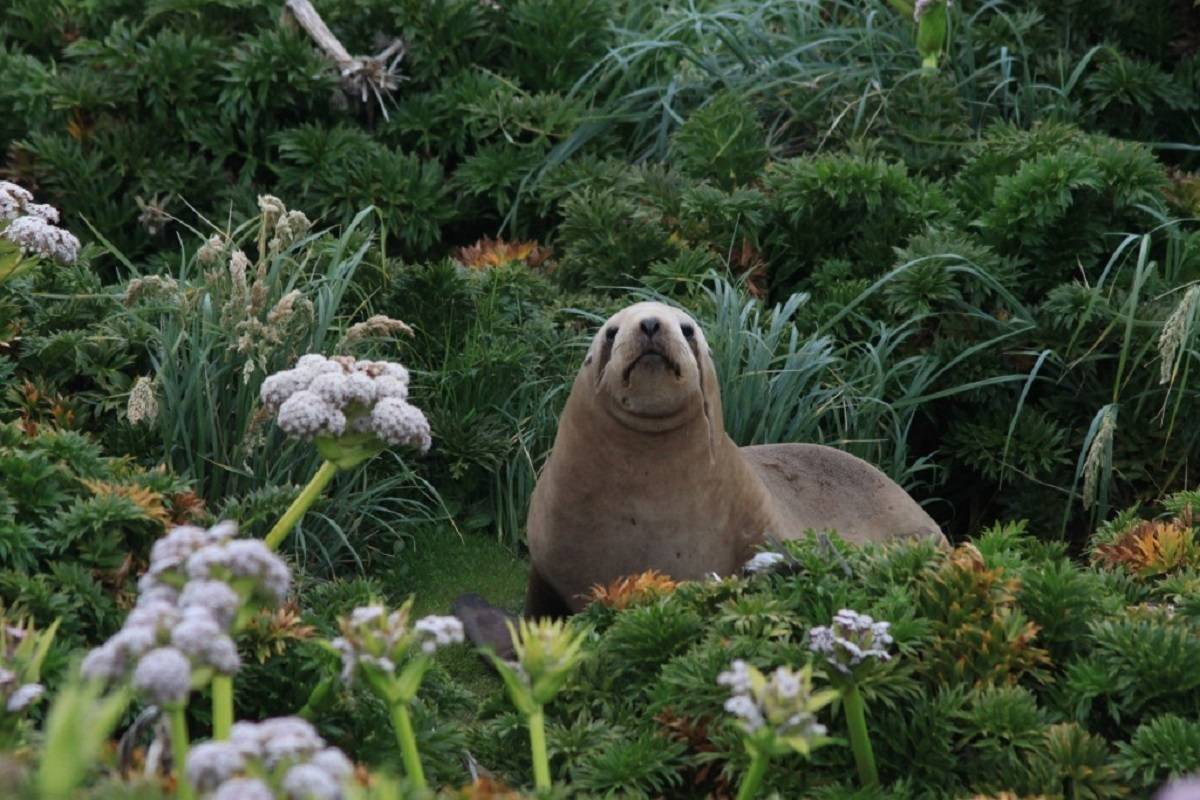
362 76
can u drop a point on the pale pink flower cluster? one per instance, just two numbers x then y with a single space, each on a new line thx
782 701
285 746
32 227
851 640
15 696
187 604
373 637
335 396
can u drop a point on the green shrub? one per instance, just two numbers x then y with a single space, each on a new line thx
75 526
847 207
721 141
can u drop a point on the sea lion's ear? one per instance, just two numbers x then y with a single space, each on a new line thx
709 390
601 353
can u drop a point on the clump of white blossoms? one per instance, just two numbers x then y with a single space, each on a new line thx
17 696
778 713
344 403
32 226
284 755
851 641
763 562
376 642
187 607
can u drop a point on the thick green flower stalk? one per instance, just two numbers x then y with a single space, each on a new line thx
350 409
931 17
851 646
778 715
391 655
547 652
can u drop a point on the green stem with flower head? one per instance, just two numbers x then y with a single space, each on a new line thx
754 775
408 745
860 742
179 751
296 510
537 744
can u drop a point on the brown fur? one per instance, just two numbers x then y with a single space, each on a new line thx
643 476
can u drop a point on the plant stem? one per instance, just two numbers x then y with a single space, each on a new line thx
179 751
222 706
408 745
316 699
860 743
537 743
754 775
300 505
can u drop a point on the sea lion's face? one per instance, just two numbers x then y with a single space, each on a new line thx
647 364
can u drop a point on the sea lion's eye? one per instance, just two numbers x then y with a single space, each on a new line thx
688 330
610 334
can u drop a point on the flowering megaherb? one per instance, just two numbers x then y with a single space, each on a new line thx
850 645
778 713
346 404
547 652
852 641
392 656
276 757
32 226
377 643
188 602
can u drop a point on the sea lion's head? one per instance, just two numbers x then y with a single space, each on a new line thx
651 368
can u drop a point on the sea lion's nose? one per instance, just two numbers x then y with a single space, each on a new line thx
650 326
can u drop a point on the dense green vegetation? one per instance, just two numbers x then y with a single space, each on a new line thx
982 276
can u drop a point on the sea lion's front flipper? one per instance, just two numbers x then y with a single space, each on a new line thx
485 625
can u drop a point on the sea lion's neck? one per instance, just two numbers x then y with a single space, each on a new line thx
595 432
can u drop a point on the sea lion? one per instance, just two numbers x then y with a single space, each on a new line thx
643 476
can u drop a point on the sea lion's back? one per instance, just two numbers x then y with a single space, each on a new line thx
822 488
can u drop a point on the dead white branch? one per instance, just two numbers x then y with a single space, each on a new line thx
362 76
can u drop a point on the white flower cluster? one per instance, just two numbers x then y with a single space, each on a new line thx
853 639
17 696
762 562
781 701
374 637
287 750
334 396
436 632
186 609
32 226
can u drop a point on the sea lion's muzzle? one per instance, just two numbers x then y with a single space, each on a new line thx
652 356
